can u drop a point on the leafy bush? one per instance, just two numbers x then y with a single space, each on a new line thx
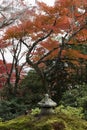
35 111
30 92
70 111
11 109
76 97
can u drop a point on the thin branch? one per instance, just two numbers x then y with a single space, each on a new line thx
4 61
47 55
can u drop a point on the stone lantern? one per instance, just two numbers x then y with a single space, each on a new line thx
47 105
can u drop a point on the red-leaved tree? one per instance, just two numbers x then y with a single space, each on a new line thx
39 31
11 72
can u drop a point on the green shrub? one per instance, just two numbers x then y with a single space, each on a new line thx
35 111
76 97
58 121
11 109
70 111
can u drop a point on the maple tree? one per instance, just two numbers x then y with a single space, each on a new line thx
39 31
10 73
9 12
13 72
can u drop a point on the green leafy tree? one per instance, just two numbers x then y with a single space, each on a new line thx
31 89
76 97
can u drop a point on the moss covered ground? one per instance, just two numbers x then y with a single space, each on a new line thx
57 121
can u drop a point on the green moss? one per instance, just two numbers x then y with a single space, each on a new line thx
59 121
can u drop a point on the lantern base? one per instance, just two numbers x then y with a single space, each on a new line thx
47 111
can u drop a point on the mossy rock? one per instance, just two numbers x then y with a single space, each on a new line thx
58 121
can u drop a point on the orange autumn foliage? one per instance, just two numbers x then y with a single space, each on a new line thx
46 23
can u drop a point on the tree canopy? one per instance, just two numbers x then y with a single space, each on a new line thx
39 29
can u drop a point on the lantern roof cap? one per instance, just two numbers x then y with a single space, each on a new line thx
47 102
